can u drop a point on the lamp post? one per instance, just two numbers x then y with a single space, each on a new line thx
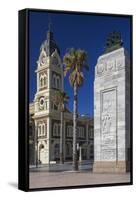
80 154
78 147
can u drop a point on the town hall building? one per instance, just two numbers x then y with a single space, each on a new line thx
44 115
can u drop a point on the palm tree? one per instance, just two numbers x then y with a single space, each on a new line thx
75 61
61 99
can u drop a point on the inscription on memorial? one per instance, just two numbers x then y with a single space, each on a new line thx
106 67
108 124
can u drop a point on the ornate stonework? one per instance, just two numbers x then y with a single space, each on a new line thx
110 63
111 89
108 124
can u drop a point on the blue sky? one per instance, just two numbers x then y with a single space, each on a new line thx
87 32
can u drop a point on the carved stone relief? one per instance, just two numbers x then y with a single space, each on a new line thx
108 66
108 124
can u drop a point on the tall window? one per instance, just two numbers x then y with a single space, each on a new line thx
39 130
56 129
54 81
56 150
43 80
45 129
91 151
91 132
80 132
53 106
58 82
68 149
42 129
69 131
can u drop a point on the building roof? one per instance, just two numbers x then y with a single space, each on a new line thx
49 45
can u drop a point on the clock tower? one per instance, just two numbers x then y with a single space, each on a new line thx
49 74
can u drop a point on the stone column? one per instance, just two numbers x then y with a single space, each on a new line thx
48 139
110 116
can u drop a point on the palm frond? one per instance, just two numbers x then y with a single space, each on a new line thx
61 99
75 61
72 77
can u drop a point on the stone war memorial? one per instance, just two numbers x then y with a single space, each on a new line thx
112 108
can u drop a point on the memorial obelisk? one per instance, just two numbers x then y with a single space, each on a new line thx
112 108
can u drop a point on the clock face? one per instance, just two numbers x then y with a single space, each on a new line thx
41 103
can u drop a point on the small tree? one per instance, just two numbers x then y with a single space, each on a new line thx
61 99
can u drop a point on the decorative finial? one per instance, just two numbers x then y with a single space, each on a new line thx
49 32
113 41
49 23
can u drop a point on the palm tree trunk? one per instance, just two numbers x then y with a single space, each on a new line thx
75 161
61 138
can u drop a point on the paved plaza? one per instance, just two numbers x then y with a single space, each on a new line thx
62 175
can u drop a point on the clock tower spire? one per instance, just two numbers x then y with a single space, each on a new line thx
49 80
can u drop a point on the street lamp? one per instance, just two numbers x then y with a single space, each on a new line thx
79 152
78 148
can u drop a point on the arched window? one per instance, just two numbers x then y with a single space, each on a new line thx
58 129
39 130
71 131
68 149
56 150
41 147
43 129
45 79
83 132
54 81
67 131
58 83
55 107
40 154
91 132
41 81
55 129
